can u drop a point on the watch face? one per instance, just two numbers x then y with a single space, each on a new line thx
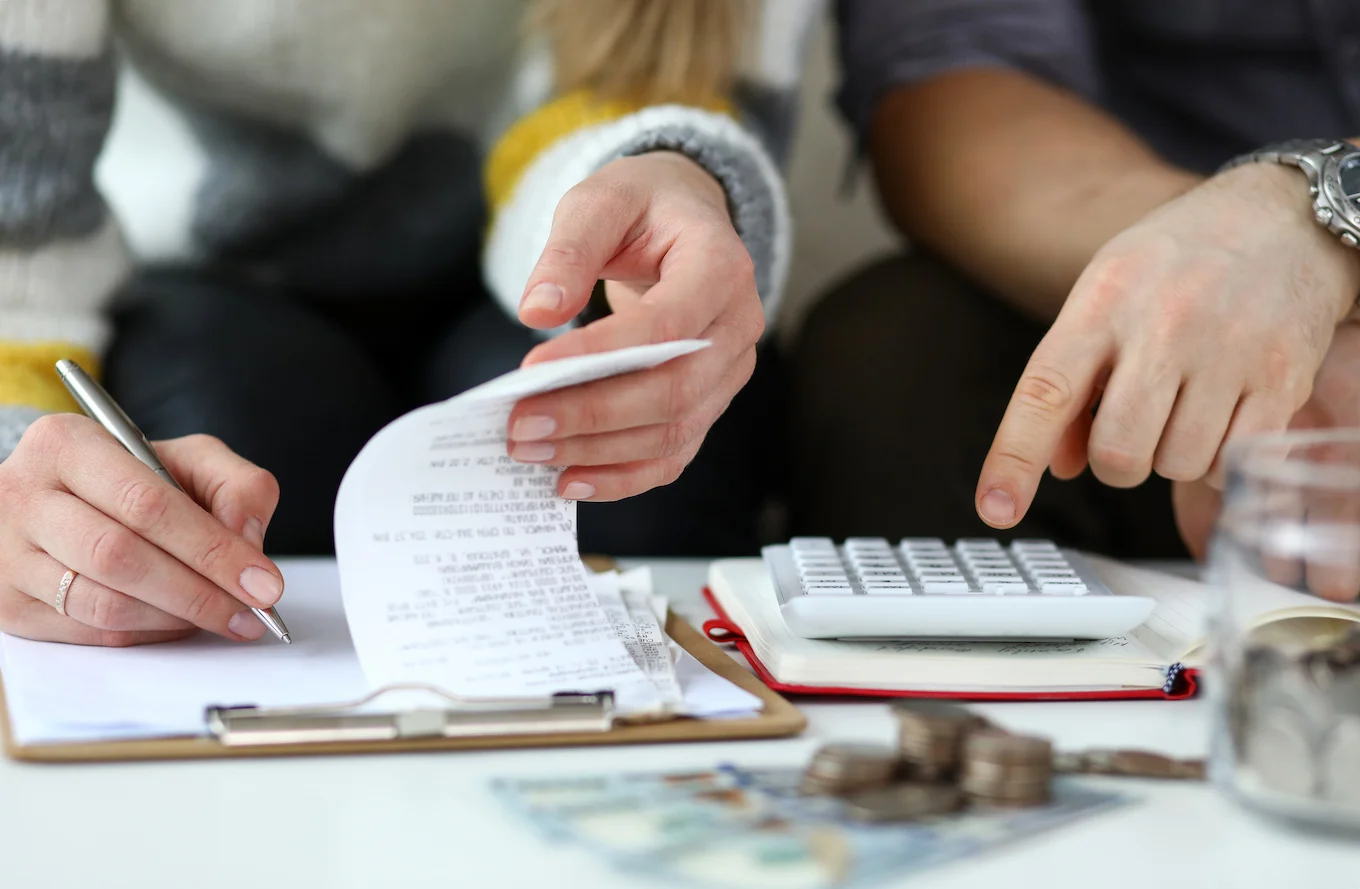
1350 180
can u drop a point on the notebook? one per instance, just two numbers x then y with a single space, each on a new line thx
1161 658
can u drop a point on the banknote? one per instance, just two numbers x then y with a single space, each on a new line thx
739 827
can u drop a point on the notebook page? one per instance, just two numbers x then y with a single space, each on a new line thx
1180 619
1180 622
459 566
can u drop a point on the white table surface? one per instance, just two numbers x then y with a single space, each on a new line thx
428 820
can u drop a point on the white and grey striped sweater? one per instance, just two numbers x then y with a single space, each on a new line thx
285 106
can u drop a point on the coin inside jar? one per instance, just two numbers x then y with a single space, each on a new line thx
1341 762
905 802
1280 754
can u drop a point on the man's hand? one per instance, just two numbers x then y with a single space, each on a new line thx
152 563
1205 321
1335 402
657 229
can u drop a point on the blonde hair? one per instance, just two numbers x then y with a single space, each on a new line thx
647 51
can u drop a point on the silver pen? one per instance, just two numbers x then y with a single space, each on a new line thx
99 406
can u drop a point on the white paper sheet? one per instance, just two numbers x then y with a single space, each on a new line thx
641 637
459 566
71 692
59 693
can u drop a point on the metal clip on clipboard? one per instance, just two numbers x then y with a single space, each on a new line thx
358 721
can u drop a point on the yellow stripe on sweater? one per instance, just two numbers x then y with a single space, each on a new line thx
533 134
28 374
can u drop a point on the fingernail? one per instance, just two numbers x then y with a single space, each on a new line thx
545 296
579 491
533 451
261 586
533 428
253 532
246 625
997 507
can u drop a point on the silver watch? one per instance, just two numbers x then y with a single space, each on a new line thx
1333 170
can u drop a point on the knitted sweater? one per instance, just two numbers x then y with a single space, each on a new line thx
341 146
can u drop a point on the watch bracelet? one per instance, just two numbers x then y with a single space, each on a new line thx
1287 152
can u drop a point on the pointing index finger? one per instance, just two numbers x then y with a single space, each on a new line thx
1055 387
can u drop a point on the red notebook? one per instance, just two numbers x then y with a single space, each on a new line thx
1158 660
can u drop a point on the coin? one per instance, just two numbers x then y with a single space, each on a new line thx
1129 763
1341 762
1280 754
996 746
844 768
905 802
1004 769
930 736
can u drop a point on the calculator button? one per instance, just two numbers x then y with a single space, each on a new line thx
978 545
806 543
828 590
1034 546
1046 566
878 588
1005 587
929 562
816 564
942 585
1062 587
922 544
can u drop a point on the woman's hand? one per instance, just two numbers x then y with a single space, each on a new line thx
657 229
1205 321
152 564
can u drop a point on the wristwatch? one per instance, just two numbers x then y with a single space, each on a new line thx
1333 170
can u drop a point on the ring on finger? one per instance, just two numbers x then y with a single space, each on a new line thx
62 589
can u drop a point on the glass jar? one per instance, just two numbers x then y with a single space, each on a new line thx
1285 680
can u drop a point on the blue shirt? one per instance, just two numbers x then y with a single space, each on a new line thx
1199 80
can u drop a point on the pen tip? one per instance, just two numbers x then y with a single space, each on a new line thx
288 638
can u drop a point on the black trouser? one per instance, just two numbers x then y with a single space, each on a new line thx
298 385
899 380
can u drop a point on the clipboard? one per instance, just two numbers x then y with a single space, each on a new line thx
576 720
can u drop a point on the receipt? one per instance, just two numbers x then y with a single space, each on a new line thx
459 567
636 626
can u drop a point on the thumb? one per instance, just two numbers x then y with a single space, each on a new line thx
588 230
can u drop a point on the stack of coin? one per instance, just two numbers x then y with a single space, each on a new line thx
1006 770
1129 763
840 769
931 735
908 801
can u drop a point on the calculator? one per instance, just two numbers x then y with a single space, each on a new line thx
921 588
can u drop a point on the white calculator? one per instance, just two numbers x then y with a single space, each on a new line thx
923 589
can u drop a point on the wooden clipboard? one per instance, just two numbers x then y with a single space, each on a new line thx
778 719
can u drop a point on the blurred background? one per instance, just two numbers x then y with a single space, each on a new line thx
835 231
